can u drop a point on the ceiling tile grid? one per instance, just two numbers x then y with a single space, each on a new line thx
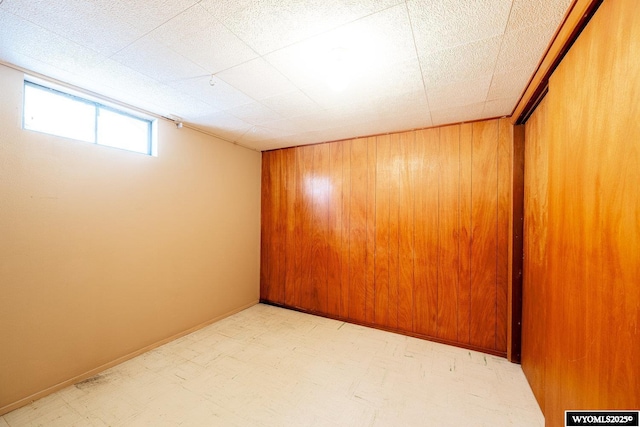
268 25
257 78
204 40
273 73
443 24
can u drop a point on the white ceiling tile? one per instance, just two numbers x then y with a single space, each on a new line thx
268 25
459 94
201 38
509 84
463 62
144 15
401 105
32 41
357 50
220 95
257 78
314 122
285 125
524 48
377 86
80 21
159 55
115 80
152 58
291 104
105 26
526 13
259 133
441 24
272 144
457 114
254 113
499 107
222 124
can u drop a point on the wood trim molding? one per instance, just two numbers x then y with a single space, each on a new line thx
579 14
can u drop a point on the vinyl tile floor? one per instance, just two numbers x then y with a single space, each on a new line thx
268 366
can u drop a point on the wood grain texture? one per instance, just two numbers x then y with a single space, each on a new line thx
448 237
382 197
592 296
464 270
334 250
397 231
305 159
577 14
426 233
515 250
346 243
505 143
406 235
273 276
358 231
292 255
371 230
534 308
484 219
266 222
394 229
320 186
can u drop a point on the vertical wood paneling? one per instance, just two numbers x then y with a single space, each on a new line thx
292 256
266 220
588 125
298 235
358 231
515 250
534 308
403 231
464 271
346 244
381 288
426 233
371 231
320 224
484 218
305 164
394 230
448 238
505 142
334 255
273 277
406 235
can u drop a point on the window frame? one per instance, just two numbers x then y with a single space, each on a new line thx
97 105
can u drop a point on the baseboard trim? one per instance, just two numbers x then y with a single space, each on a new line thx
39 395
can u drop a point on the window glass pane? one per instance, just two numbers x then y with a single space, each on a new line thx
57 114
122 131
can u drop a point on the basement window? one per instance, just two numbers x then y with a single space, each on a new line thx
59 113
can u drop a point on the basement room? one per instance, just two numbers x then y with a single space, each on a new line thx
320 213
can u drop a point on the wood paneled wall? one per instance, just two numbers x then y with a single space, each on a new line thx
581 322
534 307
408 232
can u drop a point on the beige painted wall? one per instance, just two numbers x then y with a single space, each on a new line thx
104 252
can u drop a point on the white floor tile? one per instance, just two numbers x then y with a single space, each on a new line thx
268 366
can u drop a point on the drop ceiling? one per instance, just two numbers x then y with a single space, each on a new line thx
262 73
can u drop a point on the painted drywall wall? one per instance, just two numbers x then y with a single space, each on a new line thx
104 252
